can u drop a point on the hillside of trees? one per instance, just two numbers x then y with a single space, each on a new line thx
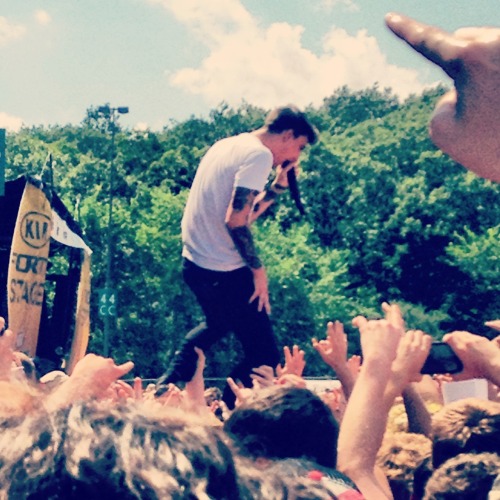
389 217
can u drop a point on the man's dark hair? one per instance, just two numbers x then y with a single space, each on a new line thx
290 118
285 422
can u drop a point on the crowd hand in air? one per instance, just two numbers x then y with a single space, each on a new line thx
241 392
333 351
195 388
294 362
465 123
262 376
6 351
91 378
173 397
480 356
412 352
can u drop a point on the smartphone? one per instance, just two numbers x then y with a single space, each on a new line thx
441 359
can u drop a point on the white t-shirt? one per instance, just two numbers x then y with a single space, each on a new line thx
238 161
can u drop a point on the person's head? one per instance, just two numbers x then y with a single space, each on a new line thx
468 476
285 422
99 451
273 482
399 456
289 132
465 426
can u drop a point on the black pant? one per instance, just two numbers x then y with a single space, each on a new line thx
224 298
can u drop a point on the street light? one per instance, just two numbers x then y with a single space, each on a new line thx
109 311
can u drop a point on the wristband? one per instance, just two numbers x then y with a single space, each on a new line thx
279 187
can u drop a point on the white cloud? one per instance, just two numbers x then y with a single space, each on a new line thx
10 31
269 66
329 5
42 17
9 122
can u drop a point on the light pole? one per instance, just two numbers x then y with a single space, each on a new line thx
109 310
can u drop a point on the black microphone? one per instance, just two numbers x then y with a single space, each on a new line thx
294 188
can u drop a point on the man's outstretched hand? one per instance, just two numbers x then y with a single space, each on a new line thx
465 123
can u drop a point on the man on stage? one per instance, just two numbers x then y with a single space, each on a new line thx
220 261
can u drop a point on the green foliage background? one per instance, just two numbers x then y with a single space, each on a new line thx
390 218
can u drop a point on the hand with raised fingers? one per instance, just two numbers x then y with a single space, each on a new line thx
91 378
173 397
465 122
333 349
241 392
195 388
380 337
263 376
412 352
95 373
294 362
119 390
480 356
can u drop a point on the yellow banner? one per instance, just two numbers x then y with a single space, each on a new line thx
82 325
28 266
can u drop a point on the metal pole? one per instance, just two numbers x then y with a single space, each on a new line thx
109 257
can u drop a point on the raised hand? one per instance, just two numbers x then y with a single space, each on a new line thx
242 393
380 338
465 123
333 349
263 376
195 388
294 362
480 356
412 352
91 378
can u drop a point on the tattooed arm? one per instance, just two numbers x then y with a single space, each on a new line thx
237 223
280 184
265 199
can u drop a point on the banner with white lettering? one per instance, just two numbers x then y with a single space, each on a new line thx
82 325
27 267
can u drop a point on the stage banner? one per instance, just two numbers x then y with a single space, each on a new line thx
28 266
82 320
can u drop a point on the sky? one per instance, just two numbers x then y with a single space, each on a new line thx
168 60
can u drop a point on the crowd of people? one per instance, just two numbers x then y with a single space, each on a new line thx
384 431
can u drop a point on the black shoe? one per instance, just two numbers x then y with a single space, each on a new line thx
177 373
